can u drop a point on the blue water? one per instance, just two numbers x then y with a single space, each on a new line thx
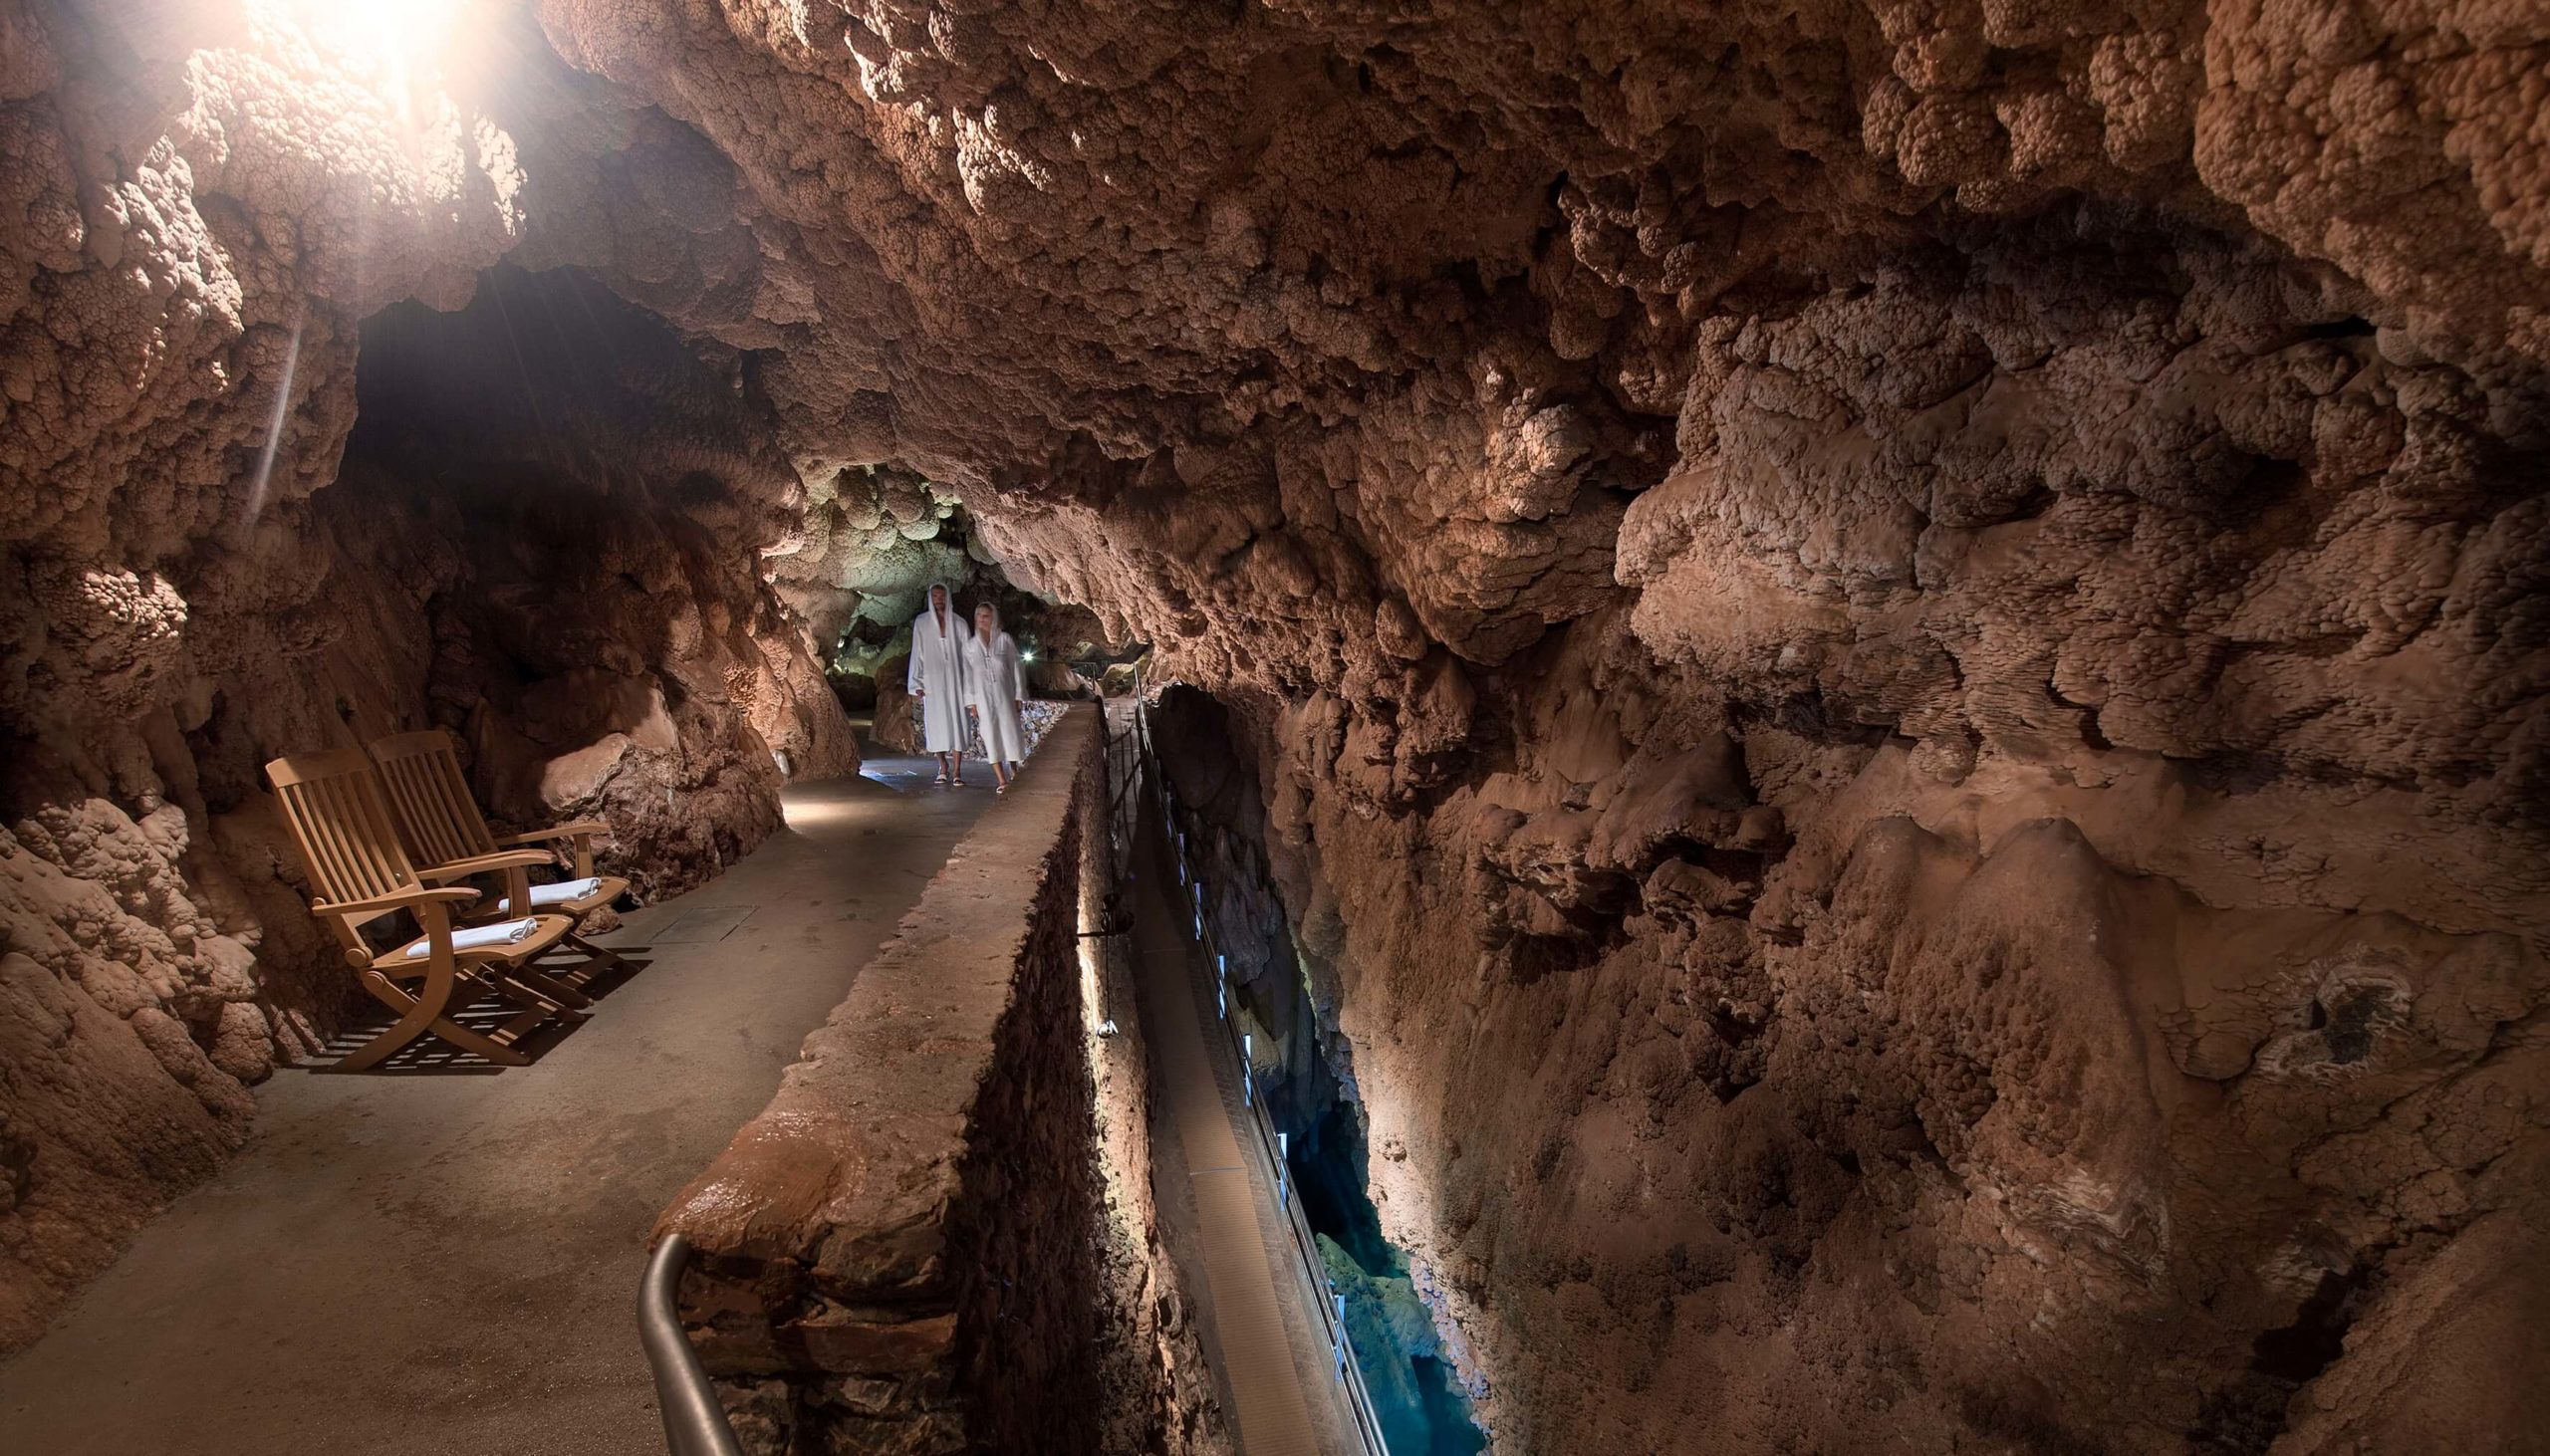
1421 1411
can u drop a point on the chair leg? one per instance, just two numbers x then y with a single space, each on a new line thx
522 1024
597 958
552 992
423 1013
417 1019
473 1041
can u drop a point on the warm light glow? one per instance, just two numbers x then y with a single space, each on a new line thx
831 808
395 35
401 49
275 418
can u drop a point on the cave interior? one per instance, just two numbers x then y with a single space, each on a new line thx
1863 683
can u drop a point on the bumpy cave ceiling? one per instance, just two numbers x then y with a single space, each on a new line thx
1891 654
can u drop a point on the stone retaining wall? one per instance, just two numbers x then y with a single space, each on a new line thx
1162 1400
900 1252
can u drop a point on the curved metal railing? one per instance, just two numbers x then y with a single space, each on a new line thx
694 1423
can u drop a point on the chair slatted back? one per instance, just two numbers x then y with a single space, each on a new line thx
348 842
431 796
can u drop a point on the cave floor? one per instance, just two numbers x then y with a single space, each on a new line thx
439 1263
1217 1210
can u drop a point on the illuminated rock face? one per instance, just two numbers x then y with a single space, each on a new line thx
1897 649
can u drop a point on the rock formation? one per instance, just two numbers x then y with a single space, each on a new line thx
543 536
1897 649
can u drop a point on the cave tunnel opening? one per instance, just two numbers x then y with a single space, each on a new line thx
569 498
602 492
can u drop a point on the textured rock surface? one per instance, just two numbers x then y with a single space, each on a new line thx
1896 648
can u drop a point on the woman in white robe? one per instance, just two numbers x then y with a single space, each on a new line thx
936 679
996 689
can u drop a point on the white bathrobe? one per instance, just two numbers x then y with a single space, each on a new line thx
994 687
938 677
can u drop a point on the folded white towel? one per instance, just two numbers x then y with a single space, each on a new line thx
511 932
561 892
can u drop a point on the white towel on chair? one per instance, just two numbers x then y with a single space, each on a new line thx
561 892
511 932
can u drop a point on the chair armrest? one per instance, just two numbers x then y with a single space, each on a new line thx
396 900
482 863
557 832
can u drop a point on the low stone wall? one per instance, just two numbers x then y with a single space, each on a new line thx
900 1252
897 726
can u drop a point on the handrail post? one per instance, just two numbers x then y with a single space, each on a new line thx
694 1423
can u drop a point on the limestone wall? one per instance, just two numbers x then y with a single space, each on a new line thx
901 1252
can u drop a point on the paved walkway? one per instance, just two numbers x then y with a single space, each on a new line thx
1268 1350
448 1262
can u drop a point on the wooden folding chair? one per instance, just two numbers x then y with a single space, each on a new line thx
332 801
430 796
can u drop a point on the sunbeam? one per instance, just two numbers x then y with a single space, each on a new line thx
275 417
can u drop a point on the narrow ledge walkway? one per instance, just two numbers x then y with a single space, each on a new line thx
1270 1359
422 1264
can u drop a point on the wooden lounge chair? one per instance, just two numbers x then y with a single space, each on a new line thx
360 872
430 796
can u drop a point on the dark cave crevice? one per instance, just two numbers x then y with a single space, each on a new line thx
1311 1096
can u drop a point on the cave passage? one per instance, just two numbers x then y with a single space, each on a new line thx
1873 679
1417 1392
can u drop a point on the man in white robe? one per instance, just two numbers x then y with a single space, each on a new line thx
936 679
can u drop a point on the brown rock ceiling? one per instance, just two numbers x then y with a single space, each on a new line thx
1897 649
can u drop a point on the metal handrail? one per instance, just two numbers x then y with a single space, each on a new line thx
1305 1243
694 1423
